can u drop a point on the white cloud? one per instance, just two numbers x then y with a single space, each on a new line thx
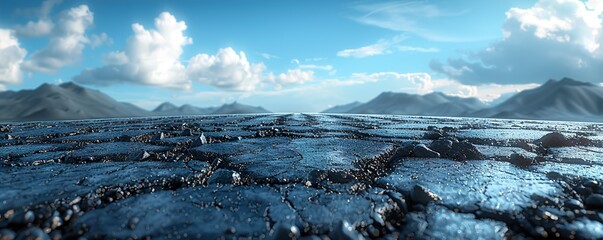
38 28
66 42
417 49
268 56
382 46
550 40
226 70
43 26
151 57
98 40
292 76
12 57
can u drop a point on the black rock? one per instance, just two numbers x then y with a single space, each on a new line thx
201 140
554 139
5 129
464 151
346 231
22 219
554 175
158 137
433 135
422 151
187 132
33 233
442 146
594 201
573 204
7 234
404 151
422 195
224 176
399 199
593 184
520 160
285 231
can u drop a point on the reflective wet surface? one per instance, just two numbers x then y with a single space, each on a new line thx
301 175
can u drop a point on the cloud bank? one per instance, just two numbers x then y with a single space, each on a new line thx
12 56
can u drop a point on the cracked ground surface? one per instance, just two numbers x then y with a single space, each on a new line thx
281 176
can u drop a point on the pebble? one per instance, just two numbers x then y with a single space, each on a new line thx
573 204
464 151
201 140
520 160
158 137
187 132
285 231
554 139
346 231
422 151
594 201
554 175
594 184
422 195
133 222
224 176
442 146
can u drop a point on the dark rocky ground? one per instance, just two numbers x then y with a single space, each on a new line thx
297 175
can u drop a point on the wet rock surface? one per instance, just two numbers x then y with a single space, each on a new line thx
282 176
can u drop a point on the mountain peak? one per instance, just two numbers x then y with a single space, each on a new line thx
566 81
166 106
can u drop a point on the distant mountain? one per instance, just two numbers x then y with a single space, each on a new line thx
169 109
65 101
566 99
342 108
433 104
237 108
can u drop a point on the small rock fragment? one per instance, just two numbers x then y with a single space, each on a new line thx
573 204
520 160
187 132
433 135
285 231
404 151
554 175
5 129
133 222
224 176
554 139
593 184
158 137
594 201
201 140
464 150
399 199
145 155
22 219
442 146
346 231
422 151
422 195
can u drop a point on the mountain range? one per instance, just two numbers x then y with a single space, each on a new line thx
565 99
70 101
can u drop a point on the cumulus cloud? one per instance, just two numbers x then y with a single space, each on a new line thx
100 39
66 41
12 57
43 26
227 70
151 57
550 40
292 76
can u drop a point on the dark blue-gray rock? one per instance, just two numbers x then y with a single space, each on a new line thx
187 132
422 195
7 234
594 201
554 139
158 137
590 183
520 160
346 231
422 151
573 204
201 140
224 176
33 233
285 231
404 151
442 146
464 150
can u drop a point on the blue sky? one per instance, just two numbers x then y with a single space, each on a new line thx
293 56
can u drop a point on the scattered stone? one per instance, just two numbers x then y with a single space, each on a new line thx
554 175
520 160
187 132
346 231
5 129
399 199
442 146
433 135
7 234
145 155
404 151
201 140
573 204
133 222
593 184
464 150
422 195
8 137
554 139
33 233
224 176
22 219
158 137
530 147
285 231
422 151
594 201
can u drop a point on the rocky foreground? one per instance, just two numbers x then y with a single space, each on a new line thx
298 175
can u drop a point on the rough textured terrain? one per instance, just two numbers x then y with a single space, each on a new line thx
299 175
